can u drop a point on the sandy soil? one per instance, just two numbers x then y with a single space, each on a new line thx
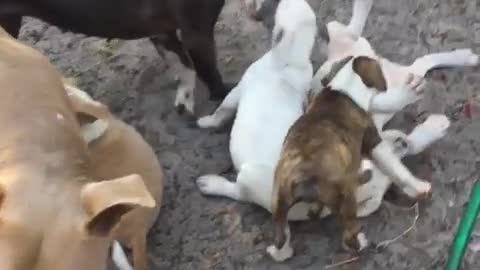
195 232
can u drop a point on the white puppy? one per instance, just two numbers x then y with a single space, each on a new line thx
268 100
346 40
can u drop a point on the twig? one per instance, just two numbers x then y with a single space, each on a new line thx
414 223
330 266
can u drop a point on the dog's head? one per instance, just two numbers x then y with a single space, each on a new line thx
356 72
295 30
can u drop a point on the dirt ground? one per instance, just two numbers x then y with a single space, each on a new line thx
196 232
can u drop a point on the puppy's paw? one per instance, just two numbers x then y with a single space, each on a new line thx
282 254
468 56
420 190
208 121
356 243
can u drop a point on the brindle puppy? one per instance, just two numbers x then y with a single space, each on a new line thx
321 157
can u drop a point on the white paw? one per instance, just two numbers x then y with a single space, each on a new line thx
362 241
419 190
206 121
423 135
280 255
471 59
210 184
437 123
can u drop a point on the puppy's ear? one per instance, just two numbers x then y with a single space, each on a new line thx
370 72
105 202
335 69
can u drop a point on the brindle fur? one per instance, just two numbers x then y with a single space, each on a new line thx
321 157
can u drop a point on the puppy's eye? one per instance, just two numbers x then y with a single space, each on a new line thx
187 95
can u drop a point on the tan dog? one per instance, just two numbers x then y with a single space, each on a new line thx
322 154
54 214
118 149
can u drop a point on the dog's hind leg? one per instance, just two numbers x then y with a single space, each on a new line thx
254 184
353 239
224 112
281 250
360 11
455 58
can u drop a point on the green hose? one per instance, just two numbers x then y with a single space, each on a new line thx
465 229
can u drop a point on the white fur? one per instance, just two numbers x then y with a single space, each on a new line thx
267 101
186 77
346 41
370 195
284 252
119 257
362 240
94 130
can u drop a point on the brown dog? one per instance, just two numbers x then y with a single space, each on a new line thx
321 157
118 149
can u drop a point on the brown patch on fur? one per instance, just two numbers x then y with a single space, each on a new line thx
321 159
370 71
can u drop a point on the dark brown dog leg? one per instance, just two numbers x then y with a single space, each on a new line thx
352 237
281 250
201 47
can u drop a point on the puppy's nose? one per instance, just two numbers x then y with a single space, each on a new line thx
181 109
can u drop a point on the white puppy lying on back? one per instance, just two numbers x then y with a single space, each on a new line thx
346 40
268 100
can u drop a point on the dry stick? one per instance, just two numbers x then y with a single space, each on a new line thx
341 263
414 223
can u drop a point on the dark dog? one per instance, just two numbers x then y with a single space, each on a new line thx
126 19
322 153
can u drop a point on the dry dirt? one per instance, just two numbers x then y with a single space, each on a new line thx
195 232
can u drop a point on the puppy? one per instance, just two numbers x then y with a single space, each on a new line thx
117 149
267 101
321 157
346 40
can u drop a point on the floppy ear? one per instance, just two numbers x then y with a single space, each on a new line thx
370 72
107 201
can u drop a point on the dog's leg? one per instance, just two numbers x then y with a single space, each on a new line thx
224 112
455 58
353 239
254 184
370 195
360 11
216 185
285 252
172 50
11 24
139 248
422 136
385 158
281 250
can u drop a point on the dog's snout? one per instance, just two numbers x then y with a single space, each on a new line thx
181 109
